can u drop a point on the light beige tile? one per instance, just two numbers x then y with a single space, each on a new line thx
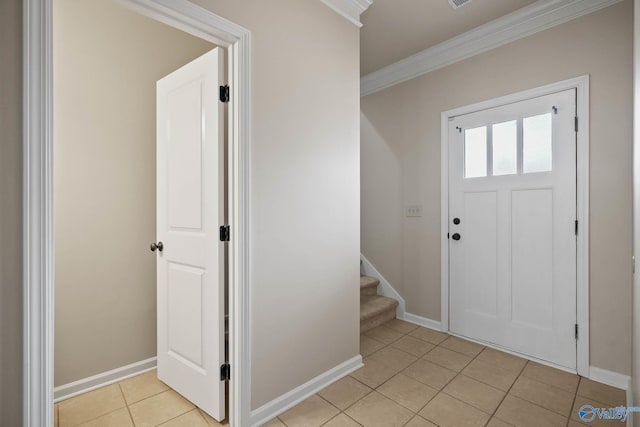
341 420
55 415
447 358
495 422
502 359
89 406
345 392
384 334
369 345
475 393
373 373
211 422
118 418
160 408
311 412
190 419
429 335
394 358
465 347
418 421
525 414
490 374
430 374
142 386
274 423
547 396
408 392
596 422
375 410
575 424
446 411
555 377
601 392
400 326
413 346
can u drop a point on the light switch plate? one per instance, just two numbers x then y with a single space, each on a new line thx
413 211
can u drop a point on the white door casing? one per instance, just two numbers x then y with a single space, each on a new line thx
512 274
190 209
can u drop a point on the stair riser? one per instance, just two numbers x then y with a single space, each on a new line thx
369 291
377 320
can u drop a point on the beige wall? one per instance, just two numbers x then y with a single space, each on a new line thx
305 190
401 164
11 212
107 60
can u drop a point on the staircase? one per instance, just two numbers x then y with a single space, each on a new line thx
374 309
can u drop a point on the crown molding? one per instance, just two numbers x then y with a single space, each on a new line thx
350 9
538 16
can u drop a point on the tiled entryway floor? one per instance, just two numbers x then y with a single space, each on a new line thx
417 377
412 376
141 401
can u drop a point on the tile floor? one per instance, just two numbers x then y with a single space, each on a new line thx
141 401
418 377
412 377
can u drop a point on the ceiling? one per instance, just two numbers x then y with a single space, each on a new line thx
395 29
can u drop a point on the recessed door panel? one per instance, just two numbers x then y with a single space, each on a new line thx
532 257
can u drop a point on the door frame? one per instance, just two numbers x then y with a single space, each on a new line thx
581 84
38 249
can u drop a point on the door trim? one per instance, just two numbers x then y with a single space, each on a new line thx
581 84
38 251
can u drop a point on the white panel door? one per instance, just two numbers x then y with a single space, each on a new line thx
190 209
512 246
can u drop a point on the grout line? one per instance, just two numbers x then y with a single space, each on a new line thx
575 397
452 379
126 404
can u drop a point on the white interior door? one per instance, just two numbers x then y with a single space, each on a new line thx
512 246
190 186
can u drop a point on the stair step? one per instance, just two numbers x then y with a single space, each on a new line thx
368 285
376 310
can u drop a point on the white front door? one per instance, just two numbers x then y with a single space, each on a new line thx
190 210
512 245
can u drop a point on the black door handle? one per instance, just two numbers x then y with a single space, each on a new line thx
456 236
159 246
456 221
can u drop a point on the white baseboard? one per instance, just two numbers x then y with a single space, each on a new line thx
385 287
297 395
96 381
611 378
422 321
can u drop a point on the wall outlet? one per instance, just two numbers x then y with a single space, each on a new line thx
413 211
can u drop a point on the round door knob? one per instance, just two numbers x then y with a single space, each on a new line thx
456 221
456 236
159 246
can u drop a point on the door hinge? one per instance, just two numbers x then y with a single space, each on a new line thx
224 93
225 372
576 123
576 331
225 233
576 227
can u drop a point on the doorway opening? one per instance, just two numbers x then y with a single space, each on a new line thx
39 196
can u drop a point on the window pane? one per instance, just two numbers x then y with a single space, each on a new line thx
505 148
475 152
536 143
